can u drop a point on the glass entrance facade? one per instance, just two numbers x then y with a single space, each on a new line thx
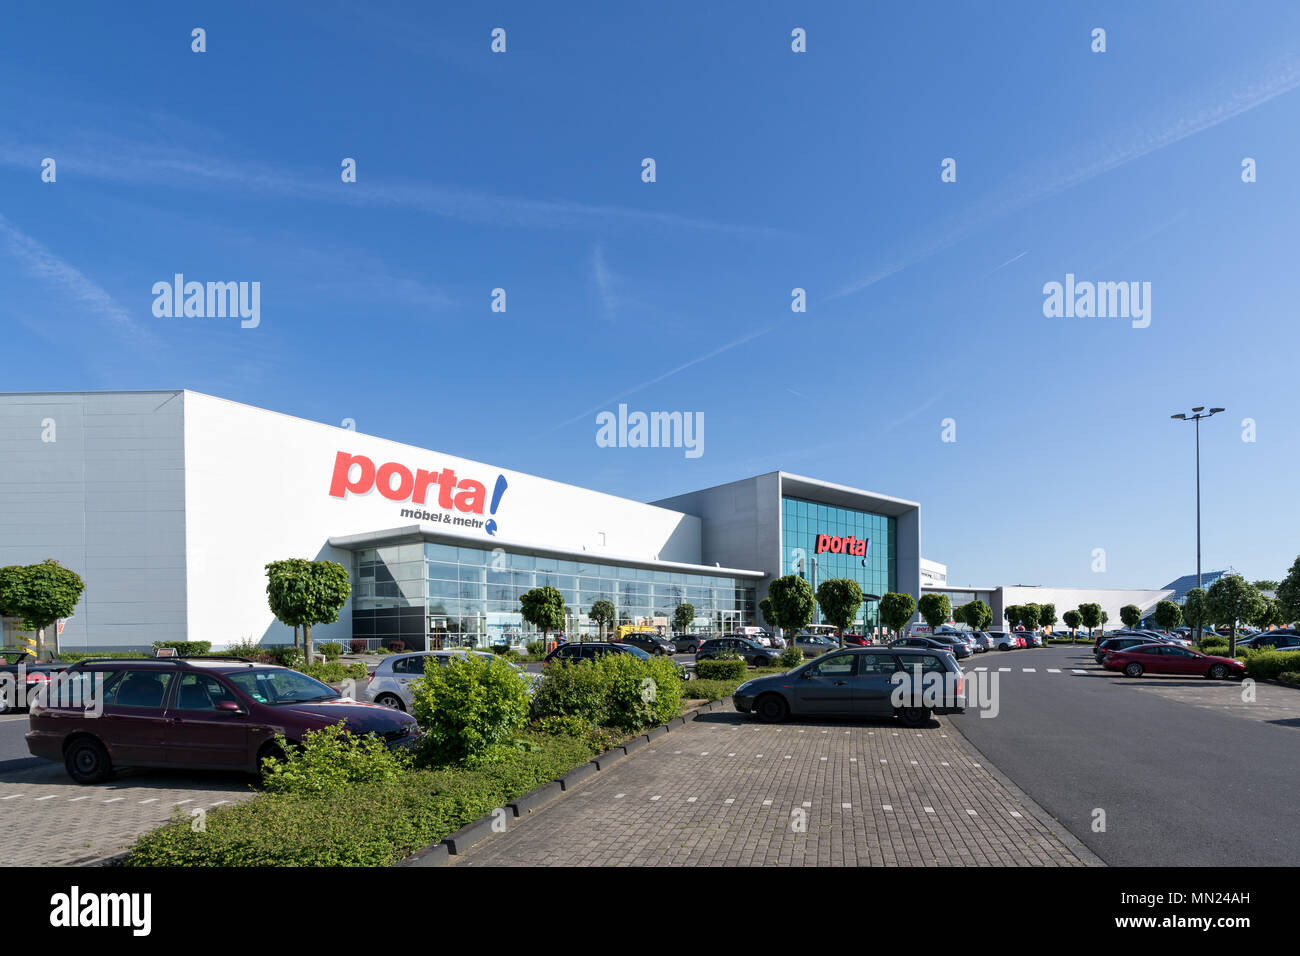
436 595
876 570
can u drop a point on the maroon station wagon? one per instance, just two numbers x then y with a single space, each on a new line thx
199 713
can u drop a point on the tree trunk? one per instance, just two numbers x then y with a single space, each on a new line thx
40 643
306 639
296 643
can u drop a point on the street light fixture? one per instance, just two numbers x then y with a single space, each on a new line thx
1196 416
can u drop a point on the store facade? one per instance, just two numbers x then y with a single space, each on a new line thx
171 503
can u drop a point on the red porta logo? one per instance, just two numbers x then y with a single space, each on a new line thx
849 545
396 482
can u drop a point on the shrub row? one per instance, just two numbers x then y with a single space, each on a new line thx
722 669
614 690
1268 665
186 648
366 824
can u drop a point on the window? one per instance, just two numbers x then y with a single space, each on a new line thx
927 662
139 689
886 664
837 665
200 692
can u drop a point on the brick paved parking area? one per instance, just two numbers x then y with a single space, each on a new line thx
47 820
726 790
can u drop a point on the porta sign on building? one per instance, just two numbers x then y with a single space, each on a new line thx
858 547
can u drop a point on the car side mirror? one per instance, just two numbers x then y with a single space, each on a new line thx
229 706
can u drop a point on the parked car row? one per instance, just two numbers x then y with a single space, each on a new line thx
1168 658
219 713
860 682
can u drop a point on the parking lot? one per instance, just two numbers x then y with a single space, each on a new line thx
47 820
726 790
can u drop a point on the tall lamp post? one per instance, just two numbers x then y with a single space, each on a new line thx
1196 416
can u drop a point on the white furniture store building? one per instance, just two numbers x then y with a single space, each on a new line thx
170 504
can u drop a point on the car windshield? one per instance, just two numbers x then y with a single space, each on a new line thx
636 651
281 686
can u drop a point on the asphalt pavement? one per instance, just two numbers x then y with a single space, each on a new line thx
1179 771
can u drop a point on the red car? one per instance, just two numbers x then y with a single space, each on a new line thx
855 640
215 713
1171 659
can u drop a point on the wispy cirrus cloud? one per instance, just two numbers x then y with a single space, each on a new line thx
42 263
137 162
735 343
1140 138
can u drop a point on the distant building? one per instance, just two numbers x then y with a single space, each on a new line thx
1180 586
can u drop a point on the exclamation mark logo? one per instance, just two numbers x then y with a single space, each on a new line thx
497 492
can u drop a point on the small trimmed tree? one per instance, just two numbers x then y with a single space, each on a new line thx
978 615
603 613
1167 615
840 599
1090 616
1047 616
543 608
1072 620
934 608
682 617
1196 610
896 609
769 616
792 603
40 595
1230 600
1288 593
306 593
1130 614
1029 616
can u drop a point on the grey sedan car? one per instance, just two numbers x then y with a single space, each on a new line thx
391 682
909 683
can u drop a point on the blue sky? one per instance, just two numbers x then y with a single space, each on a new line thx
775 170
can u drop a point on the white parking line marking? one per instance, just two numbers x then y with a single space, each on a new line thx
50 797
972 813
14 796
914 763
705 754
1004 670
731 755
787 756
1078 671
1029 670
619 796
807 803
883 760
846 806
823 758
981 668
767 803
150 800
676 751
885 806
74 799
114 799
853 760
1053 670
691 799
1014 813
943 763
655 797
218 803
929 809
729 800
179 802
758 755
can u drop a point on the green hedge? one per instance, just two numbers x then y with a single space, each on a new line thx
724 669
614 690
186 648
367 824
1291 677
1270 665
334 672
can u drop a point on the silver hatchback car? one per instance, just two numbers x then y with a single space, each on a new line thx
390 684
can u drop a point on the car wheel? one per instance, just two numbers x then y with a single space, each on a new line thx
914 716
1134 669
87 761
772 708
1218 672
390 700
